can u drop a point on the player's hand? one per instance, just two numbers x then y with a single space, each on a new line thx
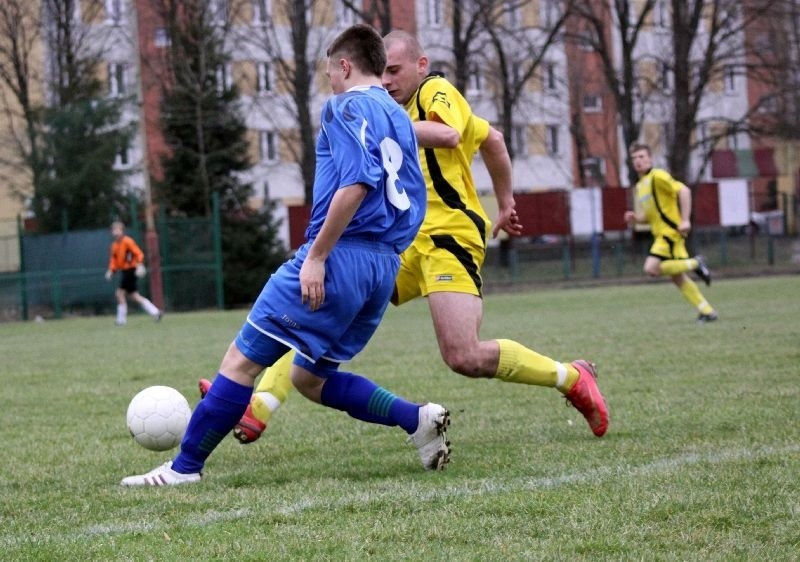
508 221
684 227
630 217
141 270
109 274
312 283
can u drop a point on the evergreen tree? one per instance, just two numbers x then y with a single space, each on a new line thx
206 134
80 188
78 134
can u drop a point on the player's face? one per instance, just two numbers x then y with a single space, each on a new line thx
403 74
642 161
116 231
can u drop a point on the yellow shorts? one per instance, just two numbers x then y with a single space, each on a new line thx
669 248
438 263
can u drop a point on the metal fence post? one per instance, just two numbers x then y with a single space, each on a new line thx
23 276
217 230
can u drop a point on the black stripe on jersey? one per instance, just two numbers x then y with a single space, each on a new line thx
447 242
664 217
446 192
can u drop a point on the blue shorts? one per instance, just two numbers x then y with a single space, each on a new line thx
359 279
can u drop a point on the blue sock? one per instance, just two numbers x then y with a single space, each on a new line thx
366 401
212 419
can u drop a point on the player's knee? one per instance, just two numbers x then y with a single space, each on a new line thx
653 270
463 363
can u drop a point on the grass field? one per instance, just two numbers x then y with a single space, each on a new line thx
702 459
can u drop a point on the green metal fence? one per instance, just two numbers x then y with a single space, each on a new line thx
63 273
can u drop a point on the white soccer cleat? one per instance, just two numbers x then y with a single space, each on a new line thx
430 438
161 476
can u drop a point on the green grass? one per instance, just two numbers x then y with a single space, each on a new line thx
701 461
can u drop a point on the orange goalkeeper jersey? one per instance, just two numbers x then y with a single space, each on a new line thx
125 254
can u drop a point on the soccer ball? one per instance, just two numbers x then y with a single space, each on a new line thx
157 418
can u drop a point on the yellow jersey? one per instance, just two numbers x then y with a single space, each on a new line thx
453 205
657 197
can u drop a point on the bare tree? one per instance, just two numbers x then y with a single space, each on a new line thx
375 12
518 52
20 76
293 41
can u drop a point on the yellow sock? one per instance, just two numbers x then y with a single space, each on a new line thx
522 365
273 388
674 267
692 294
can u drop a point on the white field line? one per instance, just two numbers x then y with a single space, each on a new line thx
420 492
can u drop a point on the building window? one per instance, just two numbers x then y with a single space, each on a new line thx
474 80
122 160
346 16
551 139
594 170
224 78
219 11
551 13
161 38
592 103
115 12
586 41
435 12
662 15
116 79
550 81
664 76
267 146
264 77
262 12
514 15
730 80
519 139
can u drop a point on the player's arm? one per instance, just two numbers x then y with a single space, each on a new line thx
685 206
498 162
632 218
136 252
344 205
435 134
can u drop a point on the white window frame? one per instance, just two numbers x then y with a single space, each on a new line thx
592 103
161 37
262 12
115 12
474 79
224 76
122 160
519 139
587 164
514 15
729 79
549 80
550 13
265 77
117 79
267 146
219 11
551 139
435 12
346 17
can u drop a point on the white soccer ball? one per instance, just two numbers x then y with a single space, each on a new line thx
157 418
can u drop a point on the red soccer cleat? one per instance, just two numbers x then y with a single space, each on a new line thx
205 386
249 427
586 397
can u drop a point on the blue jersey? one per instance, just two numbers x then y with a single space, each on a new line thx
367 138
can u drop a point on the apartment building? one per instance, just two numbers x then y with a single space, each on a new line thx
564 127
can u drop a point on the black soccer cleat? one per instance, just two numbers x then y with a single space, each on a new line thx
702 270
